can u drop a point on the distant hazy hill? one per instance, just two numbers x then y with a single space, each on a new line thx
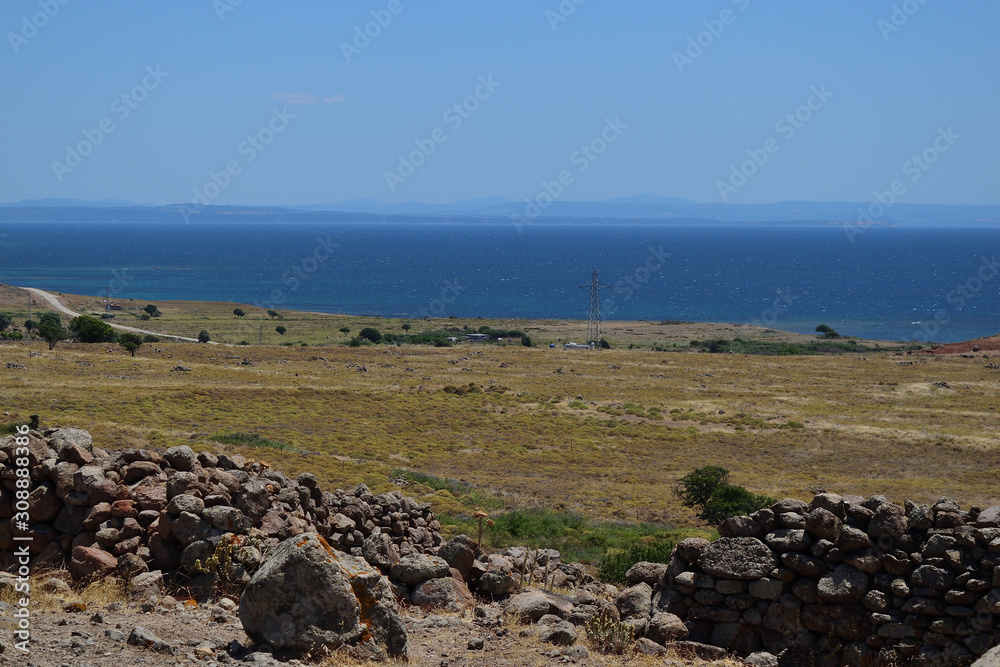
646 208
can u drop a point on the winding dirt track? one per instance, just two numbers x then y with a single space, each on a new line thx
53 301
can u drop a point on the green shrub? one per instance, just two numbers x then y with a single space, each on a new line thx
615 565
708 489
254 440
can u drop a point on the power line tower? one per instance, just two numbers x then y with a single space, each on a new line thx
594 322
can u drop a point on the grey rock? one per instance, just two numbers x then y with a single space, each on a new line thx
140 636
788 539
380 552
738 558
460 553
989 659
635 601
530 605
227 518
307 595
647 572
761 659
690 549
844 584
181 457
767 588
665 627
71 436
561 633
415 568
184 502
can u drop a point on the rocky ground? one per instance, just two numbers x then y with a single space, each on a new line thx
116 633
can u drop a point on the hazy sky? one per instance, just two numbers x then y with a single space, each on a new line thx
826 100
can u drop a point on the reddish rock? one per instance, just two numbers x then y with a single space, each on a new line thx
88 562
124 509
106 491
149 497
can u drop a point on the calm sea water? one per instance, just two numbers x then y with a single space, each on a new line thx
889 283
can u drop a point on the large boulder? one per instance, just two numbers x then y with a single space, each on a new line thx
417 568
738 558
88 563
306 596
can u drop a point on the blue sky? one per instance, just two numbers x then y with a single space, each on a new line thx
270 92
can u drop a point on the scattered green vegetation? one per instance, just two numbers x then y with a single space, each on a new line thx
779 348
254 440
615 564
576 537
709 490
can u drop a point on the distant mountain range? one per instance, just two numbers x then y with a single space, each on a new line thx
645 208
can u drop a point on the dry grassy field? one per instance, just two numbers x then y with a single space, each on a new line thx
602 433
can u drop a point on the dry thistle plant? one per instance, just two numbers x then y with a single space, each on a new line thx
482 521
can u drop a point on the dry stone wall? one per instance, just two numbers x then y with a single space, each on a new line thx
90 508
845 580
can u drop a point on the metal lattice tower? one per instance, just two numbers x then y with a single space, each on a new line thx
594 321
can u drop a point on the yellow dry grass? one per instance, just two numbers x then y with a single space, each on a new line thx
603 433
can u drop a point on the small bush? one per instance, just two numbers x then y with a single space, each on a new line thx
607 634
615 565
254 440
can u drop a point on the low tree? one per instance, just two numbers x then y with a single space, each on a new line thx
130 342
281 330
91 330
52 331
238 312
30 324
827 332
372 334
406 327
708 490
526 341
344 330
152 310
203 336
273 314
5 321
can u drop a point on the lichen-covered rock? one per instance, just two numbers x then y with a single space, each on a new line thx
665 627
738 558
844 584
306 596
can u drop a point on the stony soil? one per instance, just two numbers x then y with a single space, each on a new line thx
98 637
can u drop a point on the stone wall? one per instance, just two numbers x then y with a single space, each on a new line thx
170 509
846 579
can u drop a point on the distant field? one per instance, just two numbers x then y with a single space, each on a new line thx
602 433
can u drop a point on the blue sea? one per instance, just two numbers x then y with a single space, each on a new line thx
884 283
